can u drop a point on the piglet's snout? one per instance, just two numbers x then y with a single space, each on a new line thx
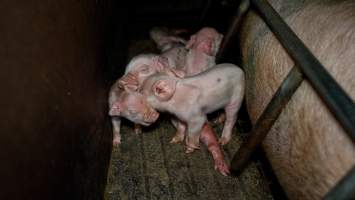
113 111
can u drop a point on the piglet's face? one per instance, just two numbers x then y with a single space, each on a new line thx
134 79
206 40
133 106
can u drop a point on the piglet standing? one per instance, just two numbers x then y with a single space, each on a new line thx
203 47
190 99
131 106
124 102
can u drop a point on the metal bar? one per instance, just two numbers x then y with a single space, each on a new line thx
333 95
205 11
242 10
345 188
266 120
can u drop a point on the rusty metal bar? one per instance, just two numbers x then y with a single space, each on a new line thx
242 10
338 102
267 119
345 188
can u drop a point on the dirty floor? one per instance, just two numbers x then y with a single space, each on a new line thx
146 166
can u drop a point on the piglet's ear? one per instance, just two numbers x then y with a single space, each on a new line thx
217 44
131 87
128 82
191 42
160 63
164 89
175 72
177 39
115 109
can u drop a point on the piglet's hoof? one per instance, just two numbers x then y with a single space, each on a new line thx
177 139
137 129
116 141
220 119
223 140
192 142
222 167
189 150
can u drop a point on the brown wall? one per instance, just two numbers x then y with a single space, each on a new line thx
55 140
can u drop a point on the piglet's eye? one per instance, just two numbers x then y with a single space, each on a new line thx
145 70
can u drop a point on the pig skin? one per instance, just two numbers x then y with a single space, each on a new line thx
308 149
219 87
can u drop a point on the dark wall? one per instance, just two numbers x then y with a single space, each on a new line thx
55 140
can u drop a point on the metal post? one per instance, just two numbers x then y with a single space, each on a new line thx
242 10
205 11
345 189
267 119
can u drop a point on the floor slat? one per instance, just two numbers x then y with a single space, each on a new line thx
147 166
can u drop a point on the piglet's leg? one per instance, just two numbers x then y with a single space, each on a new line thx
208 138
180 131
231 117
116 125
137 129
221 118
193 133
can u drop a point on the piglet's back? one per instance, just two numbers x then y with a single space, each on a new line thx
220 73
218 86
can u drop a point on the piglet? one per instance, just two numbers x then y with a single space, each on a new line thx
123 102
170 45
203 47
190 99
165 38
131 106
144 65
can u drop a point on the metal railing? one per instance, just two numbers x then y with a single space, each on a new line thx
307 66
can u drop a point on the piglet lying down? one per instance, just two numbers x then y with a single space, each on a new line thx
192 98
